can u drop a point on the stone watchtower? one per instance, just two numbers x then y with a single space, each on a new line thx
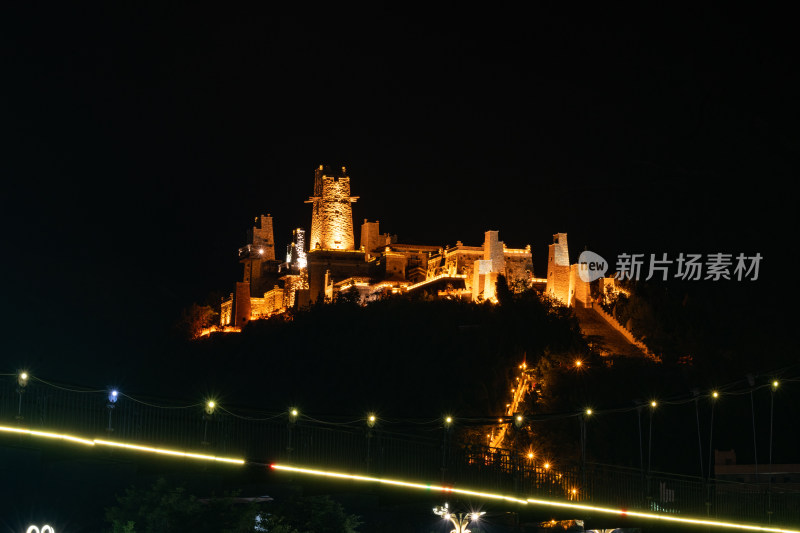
558 276
332 213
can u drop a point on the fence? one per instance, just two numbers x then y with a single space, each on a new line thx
372 451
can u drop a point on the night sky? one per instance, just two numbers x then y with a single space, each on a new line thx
141 140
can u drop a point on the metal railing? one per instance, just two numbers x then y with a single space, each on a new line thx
381 453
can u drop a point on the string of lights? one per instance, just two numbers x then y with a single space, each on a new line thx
90 391
254 419
159 406
730 389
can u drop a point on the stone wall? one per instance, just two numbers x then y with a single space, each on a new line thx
579 289
262 238
395 263
226 312
519 264
241 306
340 264
614 323
558 272
371 237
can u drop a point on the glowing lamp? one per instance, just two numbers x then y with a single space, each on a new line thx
547 466
530 455
293 413
448 420
588 411
653 403
210 406
113 396
518 420
371 419
578 363
775 384
22 378
715 394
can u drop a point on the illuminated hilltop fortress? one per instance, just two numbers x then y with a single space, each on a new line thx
380 265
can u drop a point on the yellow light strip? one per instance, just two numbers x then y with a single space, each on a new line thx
163 451
93 442
47 435
396 483
533 501
654 516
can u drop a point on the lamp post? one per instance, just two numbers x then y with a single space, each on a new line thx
372 419
459 520
293 415
448 427
769 478
113 396
22 382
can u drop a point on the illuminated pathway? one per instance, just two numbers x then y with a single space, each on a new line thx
525 384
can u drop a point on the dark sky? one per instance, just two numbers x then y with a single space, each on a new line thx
141 140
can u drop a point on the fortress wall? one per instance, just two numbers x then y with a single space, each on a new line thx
558 272
493 250
614 323
226 312
395 265
519 266
579 289
242 304
371 237
263 237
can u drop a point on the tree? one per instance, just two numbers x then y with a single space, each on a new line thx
197 318
164 508
502 290
315 514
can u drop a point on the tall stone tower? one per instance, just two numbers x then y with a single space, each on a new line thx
331 214
558 275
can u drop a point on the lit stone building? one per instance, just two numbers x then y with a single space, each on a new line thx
564 282
331 211
378 267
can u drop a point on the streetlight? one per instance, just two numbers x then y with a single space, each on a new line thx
113 396
459 520
208 410
22 382
714 396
